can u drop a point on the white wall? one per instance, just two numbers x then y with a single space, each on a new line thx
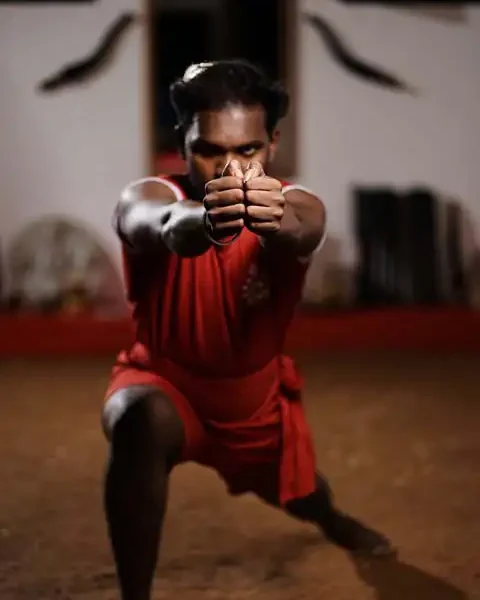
69 152
72 151
351 132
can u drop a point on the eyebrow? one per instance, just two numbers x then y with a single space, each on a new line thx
202 144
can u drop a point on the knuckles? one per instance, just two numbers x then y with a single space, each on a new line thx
275 226
228 200
279 199
223 198
267 184
223 184
262 199
231 211
267 213
278 213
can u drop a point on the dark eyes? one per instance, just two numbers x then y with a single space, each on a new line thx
207 152
249 151
213 151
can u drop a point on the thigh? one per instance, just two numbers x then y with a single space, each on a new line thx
144 416
166 409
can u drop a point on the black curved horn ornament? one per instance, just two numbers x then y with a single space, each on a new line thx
346 58
82 70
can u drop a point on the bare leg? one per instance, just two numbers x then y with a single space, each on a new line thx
339 528
146 439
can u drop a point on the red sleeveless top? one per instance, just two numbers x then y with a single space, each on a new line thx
222 314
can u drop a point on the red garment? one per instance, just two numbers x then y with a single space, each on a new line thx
210 334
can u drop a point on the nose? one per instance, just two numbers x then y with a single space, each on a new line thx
222 162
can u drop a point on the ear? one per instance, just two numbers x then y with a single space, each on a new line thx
272 146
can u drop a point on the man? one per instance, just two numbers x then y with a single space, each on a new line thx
215 263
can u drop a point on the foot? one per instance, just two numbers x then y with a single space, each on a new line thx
350 534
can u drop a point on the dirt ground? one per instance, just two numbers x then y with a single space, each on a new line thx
398 436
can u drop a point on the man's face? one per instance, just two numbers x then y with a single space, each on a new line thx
216 137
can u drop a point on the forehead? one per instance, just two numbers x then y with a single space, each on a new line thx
231 126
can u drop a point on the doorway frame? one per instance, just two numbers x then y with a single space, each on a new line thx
286 164
148 86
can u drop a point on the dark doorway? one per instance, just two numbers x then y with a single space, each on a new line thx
189 31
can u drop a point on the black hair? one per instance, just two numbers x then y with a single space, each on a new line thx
215 85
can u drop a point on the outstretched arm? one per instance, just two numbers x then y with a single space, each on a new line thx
294 221
149 217
303 225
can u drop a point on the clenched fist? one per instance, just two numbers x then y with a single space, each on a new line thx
264 201
239 199
225 203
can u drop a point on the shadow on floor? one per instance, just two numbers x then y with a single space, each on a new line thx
396 580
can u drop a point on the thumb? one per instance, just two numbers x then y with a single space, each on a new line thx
254 169
233 168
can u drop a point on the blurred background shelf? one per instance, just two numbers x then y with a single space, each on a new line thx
437 330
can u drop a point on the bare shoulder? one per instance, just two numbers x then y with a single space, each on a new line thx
294 192
303 198
149 188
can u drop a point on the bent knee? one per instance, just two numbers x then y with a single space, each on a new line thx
143 415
